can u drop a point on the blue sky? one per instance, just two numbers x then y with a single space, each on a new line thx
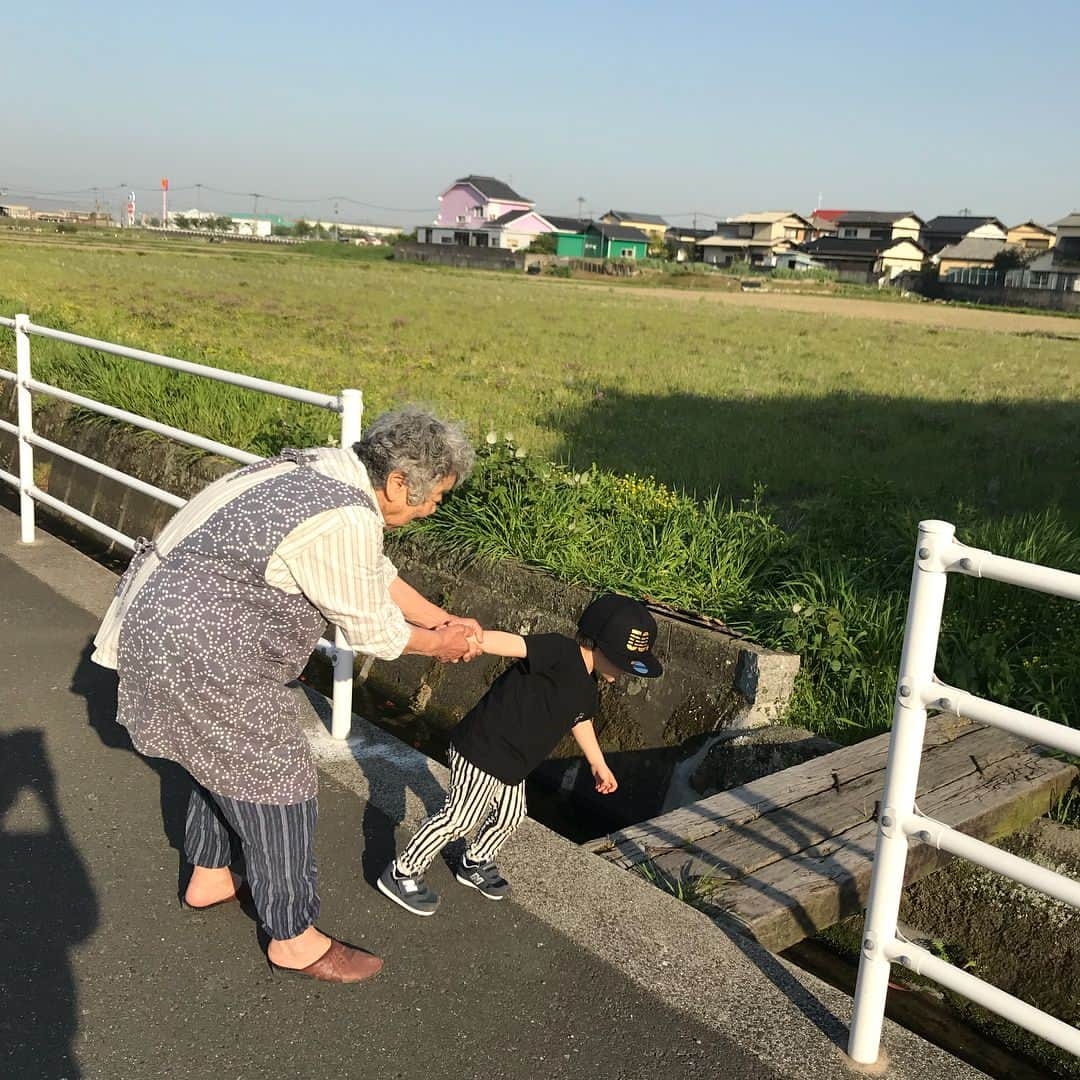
669 108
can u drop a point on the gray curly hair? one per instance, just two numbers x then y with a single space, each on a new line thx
414 441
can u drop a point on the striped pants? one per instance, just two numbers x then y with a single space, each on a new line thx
475 798
278 845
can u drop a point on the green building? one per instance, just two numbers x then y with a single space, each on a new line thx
599 240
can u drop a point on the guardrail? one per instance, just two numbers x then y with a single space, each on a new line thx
349 404
937 555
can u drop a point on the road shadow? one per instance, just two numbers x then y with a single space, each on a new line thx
391 771
98 687
47 906
1000 457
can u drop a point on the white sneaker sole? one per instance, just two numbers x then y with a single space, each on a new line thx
401 903
473 885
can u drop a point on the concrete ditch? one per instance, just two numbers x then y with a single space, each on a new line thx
716 681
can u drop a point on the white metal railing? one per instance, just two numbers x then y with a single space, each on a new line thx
937 555
349 405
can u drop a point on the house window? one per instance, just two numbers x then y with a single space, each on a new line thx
850 234
627 253
746 231
461 219
482 239
447 240
477 211
461 238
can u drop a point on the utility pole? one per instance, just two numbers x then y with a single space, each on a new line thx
580 207
198 198
336 236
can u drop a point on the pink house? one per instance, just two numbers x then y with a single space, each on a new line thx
481 211
473 200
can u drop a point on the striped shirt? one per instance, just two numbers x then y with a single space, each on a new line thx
335 559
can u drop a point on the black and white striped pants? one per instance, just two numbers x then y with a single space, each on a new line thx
278 845
475 798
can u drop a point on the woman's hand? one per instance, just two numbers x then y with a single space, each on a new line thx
452 644
474 632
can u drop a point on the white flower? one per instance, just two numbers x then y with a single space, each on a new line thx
509 437
796 608
491 438
519 452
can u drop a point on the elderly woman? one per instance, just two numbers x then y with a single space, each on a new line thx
213 620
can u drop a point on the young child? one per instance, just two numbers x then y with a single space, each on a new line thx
511 730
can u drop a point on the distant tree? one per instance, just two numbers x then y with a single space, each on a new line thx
181 221
223 223
1013 258
280 230
322 232
303 229
544 244
153 221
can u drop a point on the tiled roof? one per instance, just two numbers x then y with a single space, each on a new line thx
619 232
874 217
492 188
566 224
629 215
973 249
958 223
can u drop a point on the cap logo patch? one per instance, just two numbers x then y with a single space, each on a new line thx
638 641
640 667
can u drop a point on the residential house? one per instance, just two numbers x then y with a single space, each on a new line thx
755 238
682 242
971 253
652 225
1058 268
866 259
1031 236
940 232
797 260
11 210
600 240
823 223
569 235
884 225
481 211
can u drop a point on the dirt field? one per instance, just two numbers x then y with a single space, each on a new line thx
924 314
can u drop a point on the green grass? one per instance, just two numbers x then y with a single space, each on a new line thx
767 468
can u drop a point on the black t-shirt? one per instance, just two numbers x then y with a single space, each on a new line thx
528 709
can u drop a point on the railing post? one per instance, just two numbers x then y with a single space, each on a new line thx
352 411
925 603
25 421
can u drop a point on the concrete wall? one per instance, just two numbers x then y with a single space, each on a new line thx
1044 299
472 258
714 681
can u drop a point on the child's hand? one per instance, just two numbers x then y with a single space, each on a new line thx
605 780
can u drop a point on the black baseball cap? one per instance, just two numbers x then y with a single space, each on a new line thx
625 632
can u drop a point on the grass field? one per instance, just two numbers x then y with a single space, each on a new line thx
763 466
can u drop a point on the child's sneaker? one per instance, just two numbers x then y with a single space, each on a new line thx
410 891
485 877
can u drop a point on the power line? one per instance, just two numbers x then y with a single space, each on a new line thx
199 188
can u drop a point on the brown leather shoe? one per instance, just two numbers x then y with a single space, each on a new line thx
340 963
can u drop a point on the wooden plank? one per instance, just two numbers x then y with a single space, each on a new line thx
788 900
737 849
743 804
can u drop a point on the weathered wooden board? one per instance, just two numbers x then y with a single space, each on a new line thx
741 805
795 897
792 852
